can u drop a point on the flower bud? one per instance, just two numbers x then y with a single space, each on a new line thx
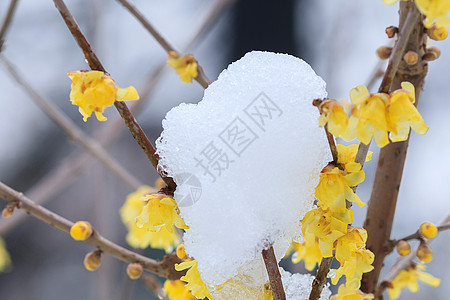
432 53
437 33
411 58
384 52
424 253
181 252
403 248
391 31
92 260
8 210
81 230
134 271
428 230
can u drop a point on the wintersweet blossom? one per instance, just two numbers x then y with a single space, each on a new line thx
81 230
93 91
186 66
194 282
369 117
403 115
347 154
353 257
327 226
176 290
133 204
409 278
309 253
5 259
335 186
160 211
348 294
333 114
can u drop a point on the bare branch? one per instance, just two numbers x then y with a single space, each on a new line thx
95 64
321 278
163 269
7 21
273 271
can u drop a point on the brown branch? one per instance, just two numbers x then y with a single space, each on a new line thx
273 271
7 21
122 108
201 77
415 236
164 268
71 129
321 278
381 207
404 263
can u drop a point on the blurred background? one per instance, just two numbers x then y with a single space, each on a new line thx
338 38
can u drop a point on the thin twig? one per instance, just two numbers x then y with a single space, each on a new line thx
71 129
415 236
201 77
162 269
403 263
273 271
7 21
122 108
321 278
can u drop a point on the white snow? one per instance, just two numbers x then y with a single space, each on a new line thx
246 160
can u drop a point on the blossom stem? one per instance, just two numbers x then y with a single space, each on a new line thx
162 268
321 278
72 131
415 236
201 77
274 273
332 144
7 21
381 207
404 262
95 64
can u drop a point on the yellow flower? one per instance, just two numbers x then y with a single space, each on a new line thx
310 253
437 33
409 278
93 91
327 226
369 117
347 154
428 230
142 237
185 66
160 211
402 114
194 282
346 294
5 259
176 290
437 11
333 114
81 230
335 186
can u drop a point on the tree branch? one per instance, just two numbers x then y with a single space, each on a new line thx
164 268
122 108
201 77
381 207
7 21
274 273
415 236
321 278
72 131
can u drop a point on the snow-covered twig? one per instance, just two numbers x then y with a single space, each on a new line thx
72 130
95 64
201 77
7 21
164 268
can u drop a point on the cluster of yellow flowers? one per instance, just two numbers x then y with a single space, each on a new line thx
186 66
374 116
437 11
93 91
326 228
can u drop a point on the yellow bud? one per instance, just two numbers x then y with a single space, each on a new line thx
411 58
384 52
428 230
159 184
8 210
92 260
181 252
134 271
437 33
391 31
81 230
424 253
403 248
431 54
